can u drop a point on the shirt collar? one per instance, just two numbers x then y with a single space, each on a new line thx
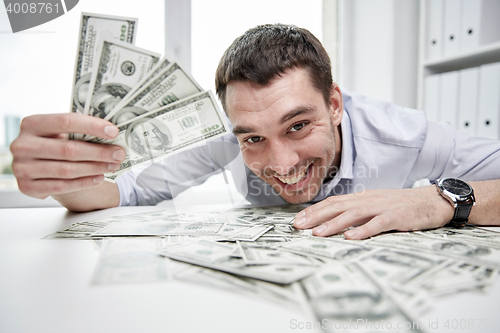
347 157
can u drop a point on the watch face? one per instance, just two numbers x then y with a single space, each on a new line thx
456 186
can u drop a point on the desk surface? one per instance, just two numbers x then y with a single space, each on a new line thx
45 287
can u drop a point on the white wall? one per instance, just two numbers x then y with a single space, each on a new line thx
216 23
379 50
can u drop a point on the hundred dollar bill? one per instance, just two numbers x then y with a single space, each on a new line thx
155 228
283 294
264 216
344 299
326 247
251 234
470 252
202 250
118 67
455 276
263 256
170 129
130 260
93 28
467 234
160 66
398 268
170 85
220 257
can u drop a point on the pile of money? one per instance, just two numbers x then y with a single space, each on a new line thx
159 108
393 277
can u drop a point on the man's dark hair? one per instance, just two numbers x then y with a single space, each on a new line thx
266 51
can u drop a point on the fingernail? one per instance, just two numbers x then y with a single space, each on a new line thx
111 131
98 179
300 221
351 233
113 166
300 214
119 155
320 229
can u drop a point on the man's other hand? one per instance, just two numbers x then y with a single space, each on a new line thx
375 211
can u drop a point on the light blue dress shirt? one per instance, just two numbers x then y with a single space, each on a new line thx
383 146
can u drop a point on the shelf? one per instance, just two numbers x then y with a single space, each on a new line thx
484 55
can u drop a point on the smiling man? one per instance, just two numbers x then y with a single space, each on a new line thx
302 139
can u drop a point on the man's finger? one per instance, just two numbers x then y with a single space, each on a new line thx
375 226
343 221
51 124
42 169
67 150
328 209
44 187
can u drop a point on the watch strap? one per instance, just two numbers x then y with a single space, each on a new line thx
462 211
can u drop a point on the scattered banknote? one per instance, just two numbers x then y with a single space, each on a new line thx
220 257
155 228
393 277
324 247
345 299
459 249
130 260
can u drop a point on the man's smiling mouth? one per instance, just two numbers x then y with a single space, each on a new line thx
291 180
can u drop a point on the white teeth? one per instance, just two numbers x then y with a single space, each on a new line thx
295 179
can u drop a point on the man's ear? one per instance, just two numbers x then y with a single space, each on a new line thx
336 104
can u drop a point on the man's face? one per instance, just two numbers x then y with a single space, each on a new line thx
288 135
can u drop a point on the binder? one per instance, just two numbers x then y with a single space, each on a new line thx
448 105
471 23
435 32
452 23
490 22
489 101
467 100
432 88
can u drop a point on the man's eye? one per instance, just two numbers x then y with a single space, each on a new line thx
254 139
297 127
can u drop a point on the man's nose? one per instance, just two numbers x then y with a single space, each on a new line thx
283 157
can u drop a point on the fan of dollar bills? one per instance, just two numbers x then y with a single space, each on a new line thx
158 107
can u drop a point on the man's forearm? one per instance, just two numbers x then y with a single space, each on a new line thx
104 195
487 208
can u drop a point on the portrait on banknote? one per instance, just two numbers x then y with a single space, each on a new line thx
468 250
148 137
128 113
107 97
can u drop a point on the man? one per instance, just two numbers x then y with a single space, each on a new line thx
299 135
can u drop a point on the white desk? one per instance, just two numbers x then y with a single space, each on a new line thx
45 287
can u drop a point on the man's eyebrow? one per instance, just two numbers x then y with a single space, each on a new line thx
295 113
290 115
242 130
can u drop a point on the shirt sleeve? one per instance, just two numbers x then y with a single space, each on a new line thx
162 180
450 153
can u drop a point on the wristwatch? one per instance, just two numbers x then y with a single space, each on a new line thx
460 195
